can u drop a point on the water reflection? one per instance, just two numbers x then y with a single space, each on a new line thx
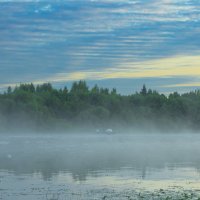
140 156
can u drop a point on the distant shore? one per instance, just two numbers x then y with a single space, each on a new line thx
42 108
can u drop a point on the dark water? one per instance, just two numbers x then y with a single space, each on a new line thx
78 166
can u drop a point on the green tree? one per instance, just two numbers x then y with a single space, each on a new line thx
143 90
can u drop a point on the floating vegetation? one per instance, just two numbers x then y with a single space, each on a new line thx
144 195
108 194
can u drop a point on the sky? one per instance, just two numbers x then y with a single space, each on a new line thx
114 43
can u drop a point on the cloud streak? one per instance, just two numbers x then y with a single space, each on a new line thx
76 39
166 67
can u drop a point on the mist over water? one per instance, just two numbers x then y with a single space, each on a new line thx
58 161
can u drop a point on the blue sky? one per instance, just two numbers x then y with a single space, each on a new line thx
114 43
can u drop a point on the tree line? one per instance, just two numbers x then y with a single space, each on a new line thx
44 108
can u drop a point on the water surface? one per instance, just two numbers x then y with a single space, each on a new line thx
88 166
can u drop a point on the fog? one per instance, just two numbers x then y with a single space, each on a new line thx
42 108
83 155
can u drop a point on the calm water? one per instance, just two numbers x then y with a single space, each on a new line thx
88 166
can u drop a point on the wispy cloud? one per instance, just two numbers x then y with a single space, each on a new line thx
98 39
187 84
166 67
183 66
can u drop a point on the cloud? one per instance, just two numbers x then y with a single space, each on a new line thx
187 84
99 39
47 8
177 66
181 71
180 65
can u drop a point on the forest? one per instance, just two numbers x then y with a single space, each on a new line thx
42 108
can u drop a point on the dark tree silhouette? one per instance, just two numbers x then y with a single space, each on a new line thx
43 107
